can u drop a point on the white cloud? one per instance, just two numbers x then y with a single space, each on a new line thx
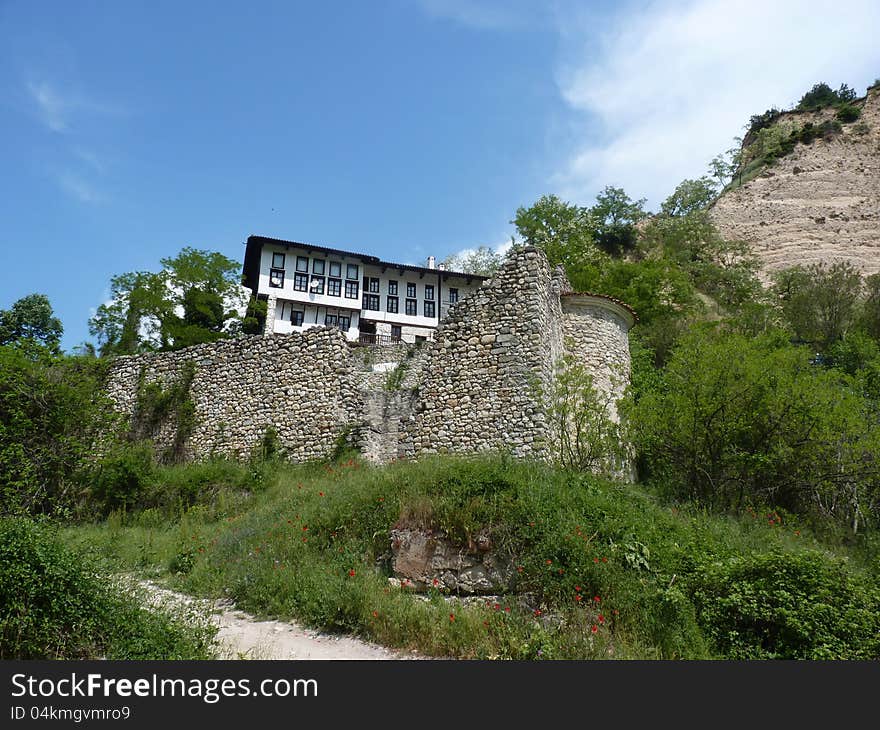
487 14
56 107
670 85
78 188
53 108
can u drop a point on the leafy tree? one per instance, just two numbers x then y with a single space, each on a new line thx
562 230
31 318
51 411
870 318
734 421
615 216
819 302
193 299
689 196
483 261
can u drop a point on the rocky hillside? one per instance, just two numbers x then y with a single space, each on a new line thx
818 203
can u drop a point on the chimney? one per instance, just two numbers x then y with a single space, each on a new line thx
432 262
441 267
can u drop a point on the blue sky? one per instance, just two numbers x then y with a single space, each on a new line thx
401 128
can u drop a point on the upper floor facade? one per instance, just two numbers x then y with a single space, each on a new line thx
370 300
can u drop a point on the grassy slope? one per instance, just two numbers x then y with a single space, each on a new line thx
310 547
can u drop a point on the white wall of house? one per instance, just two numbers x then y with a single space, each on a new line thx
316 288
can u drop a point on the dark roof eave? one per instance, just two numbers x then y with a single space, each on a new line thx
366 258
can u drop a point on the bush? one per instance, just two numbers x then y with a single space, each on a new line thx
848 113
121 479
55 605
788 606
51 412
734 421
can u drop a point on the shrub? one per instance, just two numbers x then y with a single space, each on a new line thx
848 113
120 480
788 606
55 605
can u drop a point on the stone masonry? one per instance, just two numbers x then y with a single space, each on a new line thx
476 387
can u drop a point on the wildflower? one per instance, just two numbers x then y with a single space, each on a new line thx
594 628
595 560
507 608
452 617
577 588
496 606
351 573
519 569
320 494
596 599
436 582
604 560
601 619
578 598
549 562
537 612
305 527
375 614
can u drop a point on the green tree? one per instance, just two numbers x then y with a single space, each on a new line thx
615 216
735 420
689 196
562 230
31 319
194 298
51 411
483 261
819 302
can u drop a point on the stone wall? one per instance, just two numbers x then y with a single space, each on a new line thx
481 374
303 385
475 388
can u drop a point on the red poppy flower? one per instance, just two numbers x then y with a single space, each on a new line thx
577 588
549 562
320 494
436 582
601 619
595 560
604 560
594 629
375 614
596 599
351 573
578 598
496 606
537 612
452 617
507 608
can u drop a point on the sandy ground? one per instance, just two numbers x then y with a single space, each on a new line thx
241 636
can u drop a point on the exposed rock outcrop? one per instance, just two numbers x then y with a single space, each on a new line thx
820 203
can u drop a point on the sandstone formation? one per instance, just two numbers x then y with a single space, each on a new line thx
820 203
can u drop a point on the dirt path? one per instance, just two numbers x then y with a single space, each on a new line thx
242 636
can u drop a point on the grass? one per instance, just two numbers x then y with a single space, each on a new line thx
54 604
314 546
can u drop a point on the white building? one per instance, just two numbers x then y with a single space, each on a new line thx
372 301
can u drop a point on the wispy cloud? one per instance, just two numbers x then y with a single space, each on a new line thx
52 107
488 14
91 159
670 84
79 188
56 107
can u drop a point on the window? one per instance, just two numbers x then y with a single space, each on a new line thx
429 291
371 302
392 304
429 309
344 322
412 308
331 320
334 287
276 277
336 269
317 284
351 290
392 288
411 290
277 260
318 267
395 332
296 318
374 286
453 295
302 263
351 271
301 282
